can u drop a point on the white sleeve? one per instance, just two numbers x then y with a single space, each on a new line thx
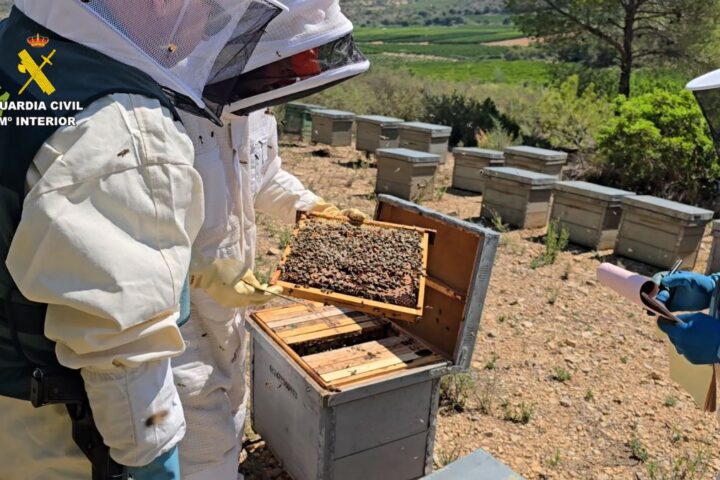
281 194
105 240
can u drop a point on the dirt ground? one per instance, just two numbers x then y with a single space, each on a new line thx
584 367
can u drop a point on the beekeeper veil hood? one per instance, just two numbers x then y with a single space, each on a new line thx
707 92
307 48
182 44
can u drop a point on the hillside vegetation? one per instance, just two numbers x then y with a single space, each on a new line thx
418 12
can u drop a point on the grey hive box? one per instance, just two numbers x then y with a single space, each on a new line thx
332 127
375 131
590 212
298 118
407 174
469 164
713 265
658 232
539 160
380 427
520 197
425 137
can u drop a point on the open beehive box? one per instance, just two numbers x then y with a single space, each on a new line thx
338 394
338 346
375 267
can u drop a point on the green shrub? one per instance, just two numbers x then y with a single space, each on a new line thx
467 116
659 144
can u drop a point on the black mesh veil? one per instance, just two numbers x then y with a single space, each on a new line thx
286 72
234 56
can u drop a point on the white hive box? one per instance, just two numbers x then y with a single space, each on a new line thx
425 137
659 232
469 164
332 127
375 131
541 160
408 174
519 197
590 212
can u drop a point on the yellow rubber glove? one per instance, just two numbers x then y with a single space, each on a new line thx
325 208
228 284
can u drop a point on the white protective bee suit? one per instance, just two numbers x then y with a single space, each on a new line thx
242 173
112 209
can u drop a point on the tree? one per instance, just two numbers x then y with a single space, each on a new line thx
634 31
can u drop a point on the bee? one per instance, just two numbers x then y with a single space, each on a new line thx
157 418
172 48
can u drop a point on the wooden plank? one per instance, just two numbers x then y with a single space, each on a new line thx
389 361
368 326
272 314
296 320
378 374
324 362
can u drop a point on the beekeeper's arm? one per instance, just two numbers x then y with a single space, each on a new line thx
281 194
105 240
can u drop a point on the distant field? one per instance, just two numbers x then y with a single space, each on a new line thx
485 71
463 51
456 53
459 35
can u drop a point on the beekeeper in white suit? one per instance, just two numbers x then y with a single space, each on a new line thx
306 48
97 221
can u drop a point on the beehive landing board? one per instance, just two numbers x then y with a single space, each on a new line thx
342 347
375 267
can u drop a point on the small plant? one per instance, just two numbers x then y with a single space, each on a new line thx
623 359
637 450
497 223
686 467
446 457
556 241
492 363
485 396
554 460
501 318
589 395
561 375
521 413
440 192
454 392
671 401
552 296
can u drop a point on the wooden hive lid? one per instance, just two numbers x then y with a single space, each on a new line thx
519 175
379 119
434 130
668 207
460 261
334 114
548 156
407 155
494 156
591 190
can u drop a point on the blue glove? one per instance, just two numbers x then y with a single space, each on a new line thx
698 339
686 291
164 467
